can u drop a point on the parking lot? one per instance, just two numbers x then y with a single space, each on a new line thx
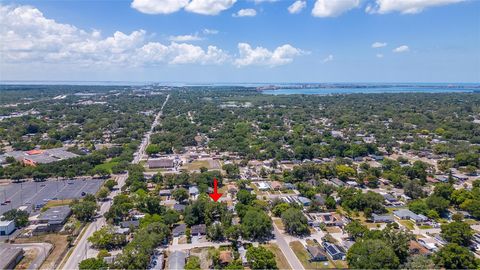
36 194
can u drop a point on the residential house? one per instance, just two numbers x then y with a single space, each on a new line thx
179 207
165 192
415 248
382 218
179 230
289 186
276 185
317 254
334 251
304 201
225 257
130 224
409 215
337 182
193 191
200 229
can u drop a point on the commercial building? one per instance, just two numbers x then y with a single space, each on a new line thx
7 227
10 256
53 219
35 157
162 163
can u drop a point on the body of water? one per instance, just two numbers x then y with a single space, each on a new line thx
375 90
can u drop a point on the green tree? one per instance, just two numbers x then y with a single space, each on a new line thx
20 217
457 232
419 262
180 194
193 263
110 184
372 254
355 229
106 238
245 197
92 263
84 210
256 225
261 258
437 203
280 208
453 256
295 222
103 193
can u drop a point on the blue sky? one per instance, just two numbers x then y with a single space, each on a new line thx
209 40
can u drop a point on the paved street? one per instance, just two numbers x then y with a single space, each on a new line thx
287 251
82 249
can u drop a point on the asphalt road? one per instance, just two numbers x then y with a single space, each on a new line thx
286 250
82 249
39 193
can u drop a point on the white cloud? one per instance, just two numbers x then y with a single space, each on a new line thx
333 8
379 44
379 55
207 31
403 48
158 6
297 6
178 53
260 56
183 38
328 58
30 37
248 12
205 7
209 7
265 1
406 6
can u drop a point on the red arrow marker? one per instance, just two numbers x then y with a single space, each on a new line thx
215 195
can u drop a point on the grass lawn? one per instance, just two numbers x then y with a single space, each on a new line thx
341 264
425 227
282 262
471 221
407 223
108 166
54 203
303 256
279 224
196 165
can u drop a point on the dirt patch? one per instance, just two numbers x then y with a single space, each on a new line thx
203 255
59 243
29 256
333 230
